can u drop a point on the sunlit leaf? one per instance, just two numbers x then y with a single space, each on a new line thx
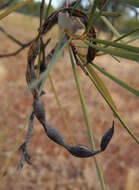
117 45
92 13
100 84
117 52
118 81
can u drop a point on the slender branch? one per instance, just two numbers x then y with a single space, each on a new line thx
22 45
11 37
17 51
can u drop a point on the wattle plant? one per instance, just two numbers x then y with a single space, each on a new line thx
36 75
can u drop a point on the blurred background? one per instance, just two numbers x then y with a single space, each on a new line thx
54 168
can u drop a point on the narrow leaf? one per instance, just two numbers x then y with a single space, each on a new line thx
127 34
48 9
109 25
118 45
61 110
112 107
87 121
107 22
102 9
82 101
118 81
117 52
75 6
132 39
100 84
15 7
91 17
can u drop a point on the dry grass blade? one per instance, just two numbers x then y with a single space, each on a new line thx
101 85
10 10
61 110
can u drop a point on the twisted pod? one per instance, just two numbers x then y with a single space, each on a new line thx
52 133
38 108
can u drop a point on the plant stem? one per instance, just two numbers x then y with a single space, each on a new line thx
61 110
86 121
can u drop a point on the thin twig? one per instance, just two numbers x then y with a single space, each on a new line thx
17 51
11 37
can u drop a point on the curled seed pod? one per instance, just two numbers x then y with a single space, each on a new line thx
54 135
106 138
91 53
39 110
53 18
81 151
33 50
78 150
